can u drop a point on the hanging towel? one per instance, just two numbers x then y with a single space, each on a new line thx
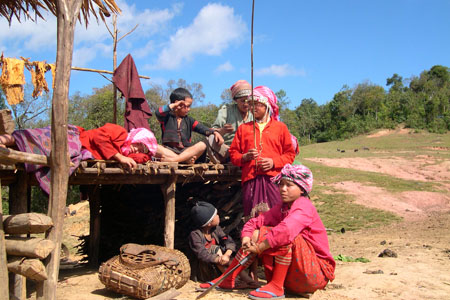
137 110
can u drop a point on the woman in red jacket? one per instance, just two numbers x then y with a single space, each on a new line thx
266 158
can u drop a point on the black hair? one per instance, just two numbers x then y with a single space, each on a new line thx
179 94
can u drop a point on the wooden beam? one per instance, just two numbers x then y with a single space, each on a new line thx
4 291
94 224
18 203
23 157
101 71
168 190
67 15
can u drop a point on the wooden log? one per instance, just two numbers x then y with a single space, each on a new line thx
31 268
29 247
94 225
168 190
18 203
27 223
6 122
23 157
67 15
4 282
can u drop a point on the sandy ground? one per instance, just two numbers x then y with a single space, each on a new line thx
421 242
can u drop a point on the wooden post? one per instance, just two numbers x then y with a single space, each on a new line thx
18 203
114 67
4 295
94 225
168 190
67 16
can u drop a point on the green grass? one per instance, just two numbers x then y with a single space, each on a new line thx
337 209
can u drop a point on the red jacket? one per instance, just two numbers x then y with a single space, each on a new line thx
276 144
105 141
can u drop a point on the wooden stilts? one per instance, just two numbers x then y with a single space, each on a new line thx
4 295
94 225
67 15
18 203
168 190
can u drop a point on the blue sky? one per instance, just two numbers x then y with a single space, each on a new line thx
310 49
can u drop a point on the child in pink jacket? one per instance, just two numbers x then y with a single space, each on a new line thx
290 239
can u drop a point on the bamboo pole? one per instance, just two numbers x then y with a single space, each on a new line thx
101 71
4 295
67 15
115 66
168 190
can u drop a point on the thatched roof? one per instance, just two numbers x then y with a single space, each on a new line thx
32 9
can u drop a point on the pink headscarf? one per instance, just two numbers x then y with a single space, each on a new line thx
265 95
264 92
240 88
143 136
299 174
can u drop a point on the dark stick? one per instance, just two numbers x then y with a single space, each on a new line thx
243 261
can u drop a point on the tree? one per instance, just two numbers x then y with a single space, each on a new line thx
94 110
226 96
31 112
308 115
2 100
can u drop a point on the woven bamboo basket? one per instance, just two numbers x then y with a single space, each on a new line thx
147 274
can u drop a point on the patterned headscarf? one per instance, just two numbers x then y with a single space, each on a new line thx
270 99
240 88
143 136
299 174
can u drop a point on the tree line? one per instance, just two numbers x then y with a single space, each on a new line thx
420 102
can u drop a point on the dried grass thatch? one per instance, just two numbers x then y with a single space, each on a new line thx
23 9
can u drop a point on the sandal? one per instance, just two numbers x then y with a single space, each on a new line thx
273 296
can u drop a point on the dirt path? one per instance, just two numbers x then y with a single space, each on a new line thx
421 242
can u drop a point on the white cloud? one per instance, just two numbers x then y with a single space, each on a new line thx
213 30
29 36
22 38
280 71
83 55
225 67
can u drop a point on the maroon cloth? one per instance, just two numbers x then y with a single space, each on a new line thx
137 110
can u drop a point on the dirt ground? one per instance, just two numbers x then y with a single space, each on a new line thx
421 242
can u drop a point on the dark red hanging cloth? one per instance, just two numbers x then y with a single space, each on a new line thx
137 110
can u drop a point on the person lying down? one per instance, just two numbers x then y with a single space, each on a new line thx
109 142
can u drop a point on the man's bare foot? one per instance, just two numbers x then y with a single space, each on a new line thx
191 161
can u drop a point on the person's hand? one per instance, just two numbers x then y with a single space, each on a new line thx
250 155
125 161
224 259
177 105
246 243
265 164
218 138
227 128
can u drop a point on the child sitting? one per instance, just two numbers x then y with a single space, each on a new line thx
210 245
177 126
290 239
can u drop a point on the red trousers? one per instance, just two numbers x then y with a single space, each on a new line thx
307 272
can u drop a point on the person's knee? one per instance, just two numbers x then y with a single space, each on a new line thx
201 146
255 236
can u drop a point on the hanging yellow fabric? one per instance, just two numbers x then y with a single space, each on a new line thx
12 79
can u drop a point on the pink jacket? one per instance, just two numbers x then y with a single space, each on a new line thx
302 218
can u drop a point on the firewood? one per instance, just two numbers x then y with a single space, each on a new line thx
29 247
26 223
31 268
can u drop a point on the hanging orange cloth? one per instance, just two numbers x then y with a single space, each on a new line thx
38 69
12 79
53 69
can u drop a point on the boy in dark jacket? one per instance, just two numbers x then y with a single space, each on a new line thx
212 248
177 126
